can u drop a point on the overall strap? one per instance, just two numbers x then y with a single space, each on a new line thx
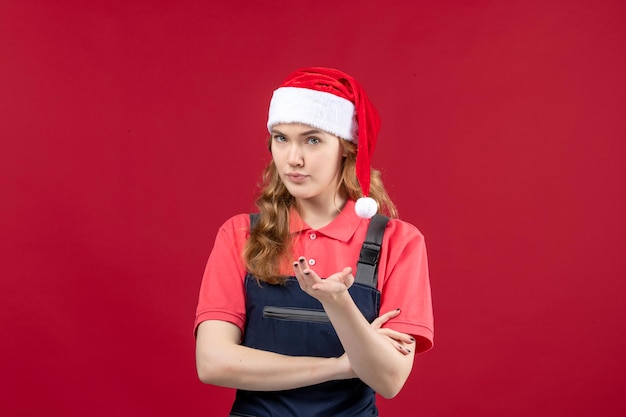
367 266
254 218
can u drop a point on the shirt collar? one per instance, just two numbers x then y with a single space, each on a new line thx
341 228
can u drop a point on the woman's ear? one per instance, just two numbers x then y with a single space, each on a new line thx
344 152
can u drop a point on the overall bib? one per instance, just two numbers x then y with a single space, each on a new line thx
286 320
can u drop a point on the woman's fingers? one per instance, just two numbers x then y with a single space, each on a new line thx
346 277
401 341
383 318
337 282
299 265
400 348
397 336
310 281
306 277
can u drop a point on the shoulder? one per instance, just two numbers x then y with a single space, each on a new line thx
237 221
236 227
400 230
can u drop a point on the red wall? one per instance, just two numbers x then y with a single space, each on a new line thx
129 130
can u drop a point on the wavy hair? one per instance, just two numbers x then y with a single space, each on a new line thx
268 248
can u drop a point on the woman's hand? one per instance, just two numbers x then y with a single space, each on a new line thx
322 288
337 283
403 342
380 357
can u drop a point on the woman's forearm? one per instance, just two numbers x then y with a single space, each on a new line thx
375 358
221 360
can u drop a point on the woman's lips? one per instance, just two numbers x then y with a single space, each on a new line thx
297 177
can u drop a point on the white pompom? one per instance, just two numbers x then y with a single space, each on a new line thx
365 207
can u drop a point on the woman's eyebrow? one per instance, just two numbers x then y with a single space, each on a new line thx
308 132
311 132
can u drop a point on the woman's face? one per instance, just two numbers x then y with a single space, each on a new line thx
308 161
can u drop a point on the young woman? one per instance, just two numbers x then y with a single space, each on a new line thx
316 303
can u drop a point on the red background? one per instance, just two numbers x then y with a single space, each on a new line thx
130 130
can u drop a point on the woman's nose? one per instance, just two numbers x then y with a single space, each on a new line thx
294 158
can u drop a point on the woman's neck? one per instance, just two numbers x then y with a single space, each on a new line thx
318 214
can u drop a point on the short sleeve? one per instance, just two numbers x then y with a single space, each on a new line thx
404 283
222 295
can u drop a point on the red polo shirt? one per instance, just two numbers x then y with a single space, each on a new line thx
402 272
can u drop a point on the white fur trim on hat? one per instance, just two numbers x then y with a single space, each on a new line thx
325 111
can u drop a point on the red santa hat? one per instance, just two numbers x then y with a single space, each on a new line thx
334 102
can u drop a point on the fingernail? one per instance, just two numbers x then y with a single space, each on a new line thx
397 309
301 260
412 339
408 350
306 273
295 264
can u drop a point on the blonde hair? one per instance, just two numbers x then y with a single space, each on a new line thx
269 247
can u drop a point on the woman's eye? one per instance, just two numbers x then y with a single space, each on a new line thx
313 141
279 138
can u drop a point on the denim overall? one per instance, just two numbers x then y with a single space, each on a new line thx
286 320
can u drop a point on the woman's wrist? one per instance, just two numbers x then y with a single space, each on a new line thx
341 368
